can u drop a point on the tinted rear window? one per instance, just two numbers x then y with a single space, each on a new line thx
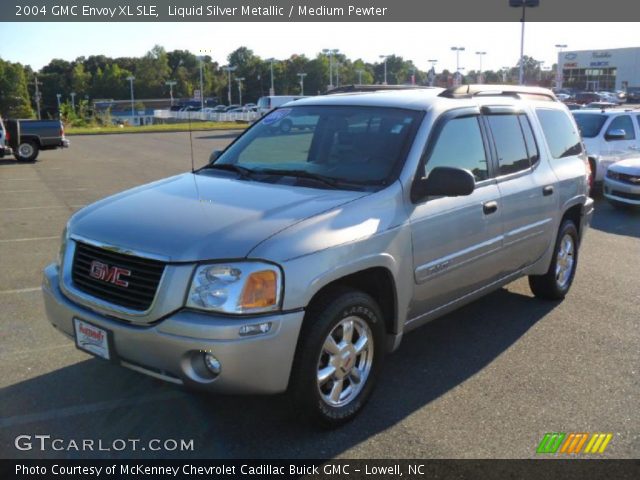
589 124
560 133
510 144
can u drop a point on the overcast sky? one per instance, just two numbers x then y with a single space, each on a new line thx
36 44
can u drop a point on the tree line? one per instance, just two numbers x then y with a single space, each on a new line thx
99 77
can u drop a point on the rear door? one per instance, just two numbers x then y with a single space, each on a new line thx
528 189
456 240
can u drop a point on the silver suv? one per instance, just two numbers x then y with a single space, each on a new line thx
298 257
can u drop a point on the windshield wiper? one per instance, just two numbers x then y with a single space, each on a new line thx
330 181
243 172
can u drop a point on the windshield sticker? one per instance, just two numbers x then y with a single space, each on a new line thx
276 116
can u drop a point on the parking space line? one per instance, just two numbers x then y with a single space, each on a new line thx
59 413
29 239
40 190
35 350
39 207
20 290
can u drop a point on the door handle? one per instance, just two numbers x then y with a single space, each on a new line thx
548 190
489 207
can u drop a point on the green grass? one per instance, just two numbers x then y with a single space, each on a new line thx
166 127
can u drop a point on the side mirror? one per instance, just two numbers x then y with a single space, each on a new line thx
445 182
616 134
214 156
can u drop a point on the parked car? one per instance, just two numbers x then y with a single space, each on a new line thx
609 136
5 149
28 137
219 108
297 261
633 95
583 98
622 183
600 105
243 110
231 107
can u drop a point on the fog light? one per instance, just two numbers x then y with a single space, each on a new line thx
213 364
256 329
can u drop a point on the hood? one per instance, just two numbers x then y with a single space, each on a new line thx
194 217
631 166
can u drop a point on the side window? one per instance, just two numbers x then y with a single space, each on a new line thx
460 145
623 122
560 132
512 151
530 140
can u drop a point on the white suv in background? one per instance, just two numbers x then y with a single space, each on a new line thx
4 142
609 136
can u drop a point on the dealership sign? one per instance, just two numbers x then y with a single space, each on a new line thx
571 56
601 55
571 65
599 64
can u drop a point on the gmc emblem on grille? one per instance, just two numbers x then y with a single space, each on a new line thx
109 274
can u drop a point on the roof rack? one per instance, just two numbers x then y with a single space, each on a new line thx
372 88
517 91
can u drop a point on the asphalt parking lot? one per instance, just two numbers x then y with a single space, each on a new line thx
487 381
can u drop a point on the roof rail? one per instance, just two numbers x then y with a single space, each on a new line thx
517 91
371 88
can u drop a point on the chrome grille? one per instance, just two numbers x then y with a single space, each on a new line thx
142 276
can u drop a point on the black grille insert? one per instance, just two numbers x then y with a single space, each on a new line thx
117 278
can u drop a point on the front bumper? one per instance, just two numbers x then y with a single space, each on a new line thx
621 192
173 348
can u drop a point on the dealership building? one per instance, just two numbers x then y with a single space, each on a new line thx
596 70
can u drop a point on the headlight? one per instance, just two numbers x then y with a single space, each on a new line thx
247 287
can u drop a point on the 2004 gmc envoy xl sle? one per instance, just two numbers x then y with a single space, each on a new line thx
300 255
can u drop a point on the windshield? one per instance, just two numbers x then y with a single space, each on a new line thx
589 124
263 102
345 144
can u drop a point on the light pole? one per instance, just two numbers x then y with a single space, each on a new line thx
331 52
559 79
360 72
540 63
524 4
458 74
73 100
432 73
229 69
272 91
201 58
171 83
302 75
37 93
58 97
240 80
385 67
131 78
457 50
480 54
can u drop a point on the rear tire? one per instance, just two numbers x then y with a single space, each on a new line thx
27 151
555 284
339 357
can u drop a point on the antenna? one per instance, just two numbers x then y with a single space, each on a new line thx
193 169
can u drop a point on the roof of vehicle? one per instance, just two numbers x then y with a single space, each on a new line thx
421 98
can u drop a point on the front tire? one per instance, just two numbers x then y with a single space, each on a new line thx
27 151
555 284
339 357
